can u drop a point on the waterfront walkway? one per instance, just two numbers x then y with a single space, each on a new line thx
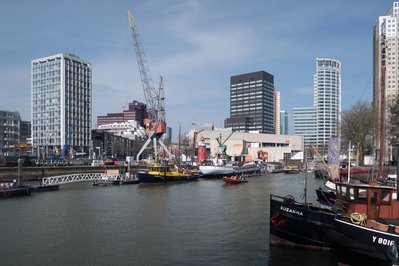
73 178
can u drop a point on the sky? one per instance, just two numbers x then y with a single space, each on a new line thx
195 45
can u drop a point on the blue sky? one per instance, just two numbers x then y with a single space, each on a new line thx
196 45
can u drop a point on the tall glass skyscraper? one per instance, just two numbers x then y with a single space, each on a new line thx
61 95
327 100
319 123
284 122
252 103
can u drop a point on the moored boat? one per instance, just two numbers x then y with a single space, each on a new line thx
216 170
232 180
162 174
247 168
362 224
298 224
291 169
369 224
10 188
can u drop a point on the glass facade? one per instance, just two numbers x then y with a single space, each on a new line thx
283 122
305 124
61 104
9 131
327 100
252 103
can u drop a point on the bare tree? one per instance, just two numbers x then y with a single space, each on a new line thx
393 125
356 127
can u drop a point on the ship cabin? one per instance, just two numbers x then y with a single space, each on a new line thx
378 202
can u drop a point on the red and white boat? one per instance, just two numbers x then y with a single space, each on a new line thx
234 179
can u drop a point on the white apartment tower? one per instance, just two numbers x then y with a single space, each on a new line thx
61 101
327 101
385 51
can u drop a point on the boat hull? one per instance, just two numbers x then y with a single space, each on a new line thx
293 224
15 191
233 180
216 171
360 243
144 177
46 188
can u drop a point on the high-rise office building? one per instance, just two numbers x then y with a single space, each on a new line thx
135 111
327 100
277 113
9 131
284 119
61 104
385 51
252 103
305 124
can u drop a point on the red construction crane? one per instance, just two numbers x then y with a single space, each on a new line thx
155 123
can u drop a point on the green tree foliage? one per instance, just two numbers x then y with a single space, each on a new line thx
356 127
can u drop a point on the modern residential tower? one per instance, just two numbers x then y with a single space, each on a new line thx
319 123
327 100
61 104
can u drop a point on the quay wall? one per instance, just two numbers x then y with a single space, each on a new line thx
37 173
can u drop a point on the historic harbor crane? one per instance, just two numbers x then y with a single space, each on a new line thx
155 123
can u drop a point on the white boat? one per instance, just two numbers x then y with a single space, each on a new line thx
248 168
216 170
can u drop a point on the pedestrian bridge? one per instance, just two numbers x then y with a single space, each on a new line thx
73 178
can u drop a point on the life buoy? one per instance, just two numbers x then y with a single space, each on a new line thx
263 155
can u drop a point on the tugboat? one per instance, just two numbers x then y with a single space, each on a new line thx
162 174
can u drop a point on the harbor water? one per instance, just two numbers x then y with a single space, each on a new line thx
202 222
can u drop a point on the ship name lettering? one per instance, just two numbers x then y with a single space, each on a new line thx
383 241
291 210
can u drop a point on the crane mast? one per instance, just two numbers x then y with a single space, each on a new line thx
155 123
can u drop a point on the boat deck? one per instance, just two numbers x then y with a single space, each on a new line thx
388 221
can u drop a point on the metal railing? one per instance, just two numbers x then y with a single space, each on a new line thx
73 178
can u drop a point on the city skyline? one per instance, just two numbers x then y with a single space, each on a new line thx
195 45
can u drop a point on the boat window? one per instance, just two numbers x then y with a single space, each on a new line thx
343 191
352 193
385 197
362 194
373 197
